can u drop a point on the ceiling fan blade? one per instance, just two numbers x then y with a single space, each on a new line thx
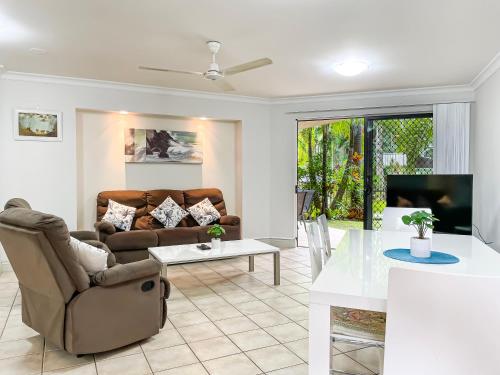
247 66
170 70
223 85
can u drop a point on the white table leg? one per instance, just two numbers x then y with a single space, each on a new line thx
319 339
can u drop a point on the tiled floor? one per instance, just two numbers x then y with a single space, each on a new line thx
222 320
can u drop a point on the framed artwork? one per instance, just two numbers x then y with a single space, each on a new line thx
162 146
35 125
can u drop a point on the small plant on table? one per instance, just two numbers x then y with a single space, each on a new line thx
422 221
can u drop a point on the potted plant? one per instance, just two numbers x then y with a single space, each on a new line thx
422 221
216 232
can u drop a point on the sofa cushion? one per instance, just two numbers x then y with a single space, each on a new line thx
193 196
131 198
147 222
120 215
169 213
232 233
157 197
204 212
177 236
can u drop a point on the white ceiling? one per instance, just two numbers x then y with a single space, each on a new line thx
409 43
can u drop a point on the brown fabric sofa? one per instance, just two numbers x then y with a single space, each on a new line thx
147 232
73 311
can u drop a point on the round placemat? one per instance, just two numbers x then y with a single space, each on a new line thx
435 258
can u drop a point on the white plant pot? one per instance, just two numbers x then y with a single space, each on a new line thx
420 248
215 243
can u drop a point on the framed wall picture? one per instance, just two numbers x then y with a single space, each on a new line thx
37 125
162 146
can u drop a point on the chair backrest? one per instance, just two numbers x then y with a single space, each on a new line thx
442 324
325 232
304 200
391 218
37 246
317 248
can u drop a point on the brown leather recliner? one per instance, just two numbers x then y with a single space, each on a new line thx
75 312
147 232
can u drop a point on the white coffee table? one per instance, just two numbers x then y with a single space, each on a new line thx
177 254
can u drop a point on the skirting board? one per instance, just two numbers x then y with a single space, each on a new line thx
282 243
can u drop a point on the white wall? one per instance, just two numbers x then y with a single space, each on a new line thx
100 145
45 173
485 139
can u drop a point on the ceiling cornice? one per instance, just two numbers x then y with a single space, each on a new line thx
490 69
462 92
148 89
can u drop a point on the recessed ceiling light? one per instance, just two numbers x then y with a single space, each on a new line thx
123 112
38 51
351 68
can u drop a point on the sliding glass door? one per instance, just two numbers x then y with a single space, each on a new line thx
344 162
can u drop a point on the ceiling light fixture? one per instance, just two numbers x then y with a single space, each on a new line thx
203 118
123 112
351 68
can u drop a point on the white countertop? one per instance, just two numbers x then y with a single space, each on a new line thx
228 249
356 275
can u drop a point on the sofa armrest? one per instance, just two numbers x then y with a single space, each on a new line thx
121 273
103 230
105 227
229 220
84 235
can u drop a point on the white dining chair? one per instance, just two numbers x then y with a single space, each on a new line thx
391 218
316 248
325 233
358 327
440 324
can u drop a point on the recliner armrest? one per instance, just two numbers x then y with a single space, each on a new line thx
229 220
121 273
83 235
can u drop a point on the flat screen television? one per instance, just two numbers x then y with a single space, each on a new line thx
448 196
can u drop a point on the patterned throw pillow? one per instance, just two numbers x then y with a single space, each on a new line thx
204 212
119 215
169 213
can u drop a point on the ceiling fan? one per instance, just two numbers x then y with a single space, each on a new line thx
214 73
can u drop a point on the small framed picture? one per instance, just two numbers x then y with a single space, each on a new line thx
36 125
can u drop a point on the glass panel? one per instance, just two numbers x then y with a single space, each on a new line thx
400 146
330 162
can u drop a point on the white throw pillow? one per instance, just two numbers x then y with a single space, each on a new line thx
204 212
91 258
119 215
169 213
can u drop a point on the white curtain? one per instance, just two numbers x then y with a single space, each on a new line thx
451 138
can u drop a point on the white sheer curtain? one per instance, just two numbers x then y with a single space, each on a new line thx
451 138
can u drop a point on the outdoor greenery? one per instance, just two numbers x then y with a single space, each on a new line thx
216 231
421 221
331 161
